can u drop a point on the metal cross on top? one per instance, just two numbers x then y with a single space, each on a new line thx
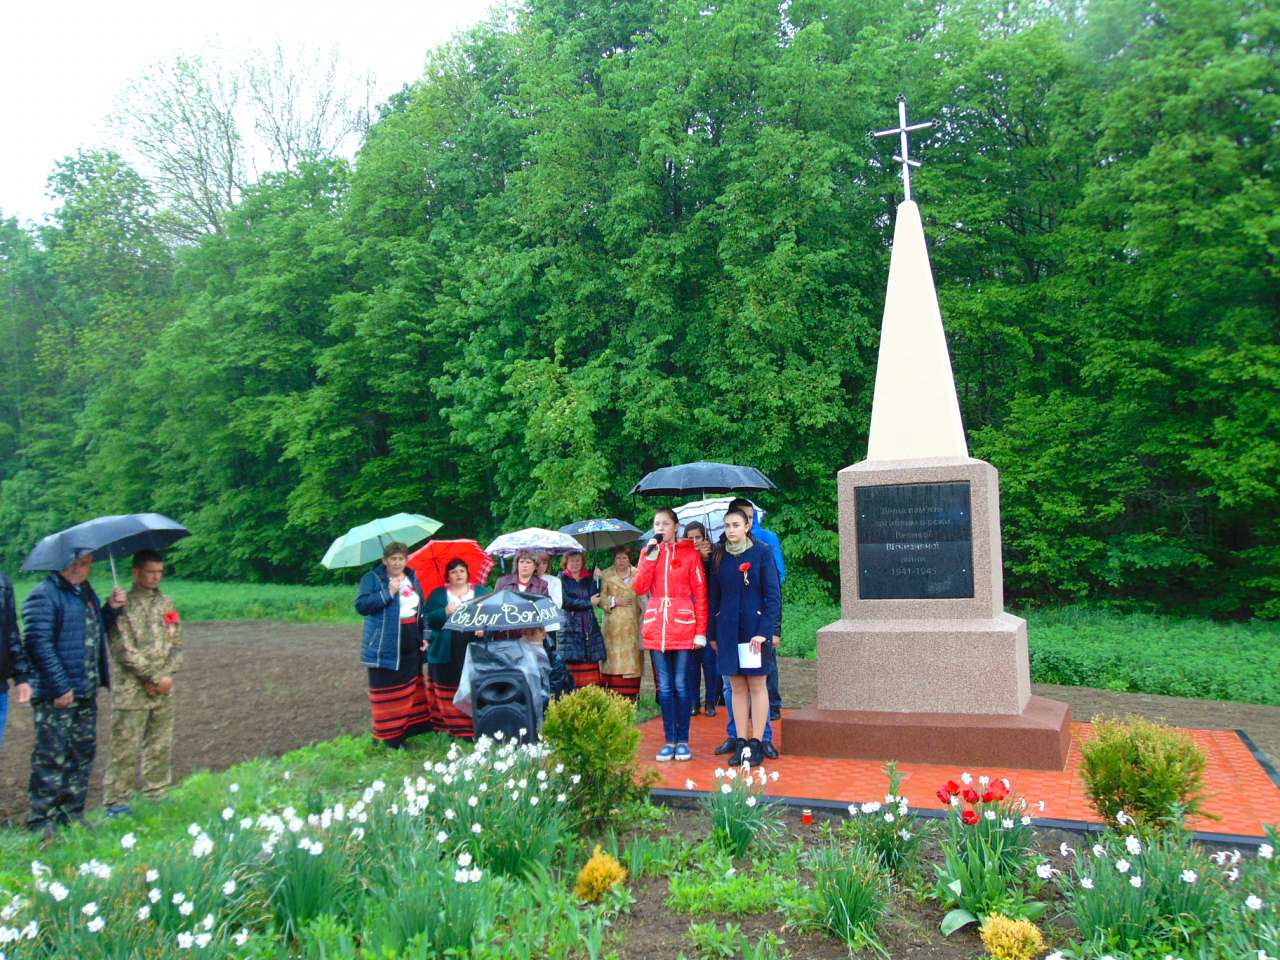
902 130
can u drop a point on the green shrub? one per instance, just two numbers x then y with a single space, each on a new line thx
850 893
1143 769
593 732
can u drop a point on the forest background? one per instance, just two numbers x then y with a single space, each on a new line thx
600 237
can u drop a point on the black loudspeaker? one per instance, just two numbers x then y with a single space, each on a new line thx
501 701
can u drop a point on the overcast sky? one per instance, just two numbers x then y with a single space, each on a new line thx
64 63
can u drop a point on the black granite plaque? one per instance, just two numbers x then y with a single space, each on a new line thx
915 541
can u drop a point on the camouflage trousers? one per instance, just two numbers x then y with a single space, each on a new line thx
143 736
61 760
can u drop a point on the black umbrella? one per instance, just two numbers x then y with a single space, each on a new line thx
110 537
701 477
505 610
602 534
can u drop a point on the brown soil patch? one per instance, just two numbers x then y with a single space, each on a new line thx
261 688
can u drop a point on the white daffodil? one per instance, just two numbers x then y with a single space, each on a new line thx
1133 845
1099 850
442 837
725 788
152 876
229 888
476 828
1007 823
1044 871
96 924
1086 883
689 784
1253 902
187 908
1266 851
1189 876
89 909
227 813
128 841
153 895
966 778
1122 865
317 849
185 940
751 801
203 939
144 911
58 891
1135 882
464 859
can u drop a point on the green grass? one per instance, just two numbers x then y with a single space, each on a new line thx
207 600
1129 652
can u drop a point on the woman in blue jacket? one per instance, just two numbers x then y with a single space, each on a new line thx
392 604
745 606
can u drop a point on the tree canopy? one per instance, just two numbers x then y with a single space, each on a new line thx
599 237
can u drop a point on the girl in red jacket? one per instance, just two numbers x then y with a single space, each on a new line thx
675 624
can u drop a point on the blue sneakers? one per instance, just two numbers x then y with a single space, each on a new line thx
683 752
668 752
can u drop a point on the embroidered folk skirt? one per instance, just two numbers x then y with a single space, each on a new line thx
442 684
398 698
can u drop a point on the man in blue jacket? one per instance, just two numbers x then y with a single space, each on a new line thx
13 659
66 635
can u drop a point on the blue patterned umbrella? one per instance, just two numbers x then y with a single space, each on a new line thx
602 534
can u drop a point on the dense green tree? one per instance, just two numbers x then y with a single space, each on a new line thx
595 238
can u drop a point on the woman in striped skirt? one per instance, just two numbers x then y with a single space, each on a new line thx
447 649
624 663
391 601
580 641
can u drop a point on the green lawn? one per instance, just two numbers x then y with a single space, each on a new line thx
1076 646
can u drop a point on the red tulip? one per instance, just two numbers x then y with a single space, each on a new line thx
988 797
970 817
970 795
171 616
953 788
944 797
999 790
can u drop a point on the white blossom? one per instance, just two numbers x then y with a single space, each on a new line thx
1007 823
442 837
227 813
1135 882
144 911
96 924
229 888
1122 865
128 841
1189 876
203 939
153 895
966 778
1266 851
1133 845
317 848
725 788
187 908
58 891
89 909
185 940
1253 902
207 922
476 828
234 788
241 937
751 801
1044 871
153 875
1086 883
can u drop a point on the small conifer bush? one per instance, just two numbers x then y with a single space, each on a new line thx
593 732
598 876
1142 769
1007 939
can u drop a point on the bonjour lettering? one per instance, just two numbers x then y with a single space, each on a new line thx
510 616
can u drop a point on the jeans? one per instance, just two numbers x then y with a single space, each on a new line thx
4 714
771 678
703 663
670 676
731 729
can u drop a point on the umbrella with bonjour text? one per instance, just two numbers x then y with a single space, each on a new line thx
504 611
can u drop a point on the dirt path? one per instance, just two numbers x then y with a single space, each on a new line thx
253 688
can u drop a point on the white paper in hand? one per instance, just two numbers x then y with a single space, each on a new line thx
746 659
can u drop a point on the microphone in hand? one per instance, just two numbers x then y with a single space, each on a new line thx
653 545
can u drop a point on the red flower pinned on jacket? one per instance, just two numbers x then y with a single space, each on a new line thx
171 616
743 568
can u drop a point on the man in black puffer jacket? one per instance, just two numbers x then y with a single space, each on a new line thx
66 636
13 658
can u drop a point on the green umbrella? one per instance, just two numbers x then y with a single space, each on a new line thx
363 544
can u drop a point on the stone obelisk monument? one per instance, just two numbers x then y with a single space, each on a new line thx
924 664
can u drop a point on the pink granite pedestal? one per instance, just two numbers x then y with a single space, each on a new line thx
929 679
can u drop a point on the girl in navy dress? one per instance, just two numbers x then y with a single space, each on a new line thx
745 607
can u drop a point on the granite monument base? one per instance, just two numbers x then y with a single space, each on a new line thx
1038 738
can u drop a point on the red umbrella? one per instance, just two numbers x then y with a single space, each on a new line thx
429 562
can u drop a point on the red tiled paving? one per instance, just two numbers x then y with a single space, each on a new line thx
1238 789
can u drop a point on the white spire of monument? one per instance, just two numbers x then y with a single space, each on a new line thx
914 413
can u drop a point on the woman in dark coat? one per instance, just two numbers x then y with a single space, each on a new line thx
745 602
523 579
391 601
580 642
447 649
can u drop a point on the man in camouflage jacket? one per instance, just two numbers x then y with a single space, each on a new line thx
146 645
